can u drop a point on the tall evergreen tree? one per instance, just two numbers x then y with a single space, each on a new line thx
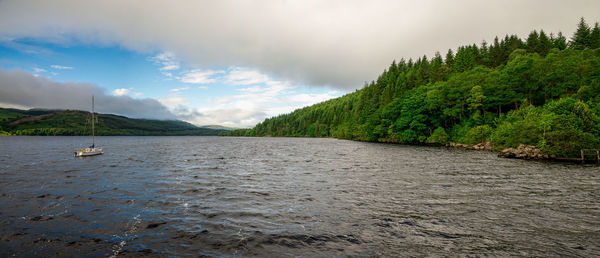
476 55
484 51
595 37
559 41
464 59
435 68
513 42
450 58
496 53
533 42
580 39
544 44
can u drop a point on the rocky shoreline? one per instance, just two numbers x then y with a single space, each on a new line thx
523 151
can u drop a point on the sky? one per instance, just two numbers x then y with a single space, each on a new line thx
235 63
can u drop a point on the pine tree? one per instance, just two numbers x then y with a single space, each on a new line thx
533 42
513 42
450 58
559 41
484 51
595 37
476 55
435 68
580 39
544 45
464 59
424 67
402 65
497 52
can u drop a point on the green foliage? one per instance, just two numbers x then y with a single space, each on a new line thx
478 134
559 42
519 127
439 136
517 52
561 127
9 114
511 92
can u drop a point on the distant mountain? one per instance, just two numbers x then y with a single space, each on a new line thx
219 127
75 122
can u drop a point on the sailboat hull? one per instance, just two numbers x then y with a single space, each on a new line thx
89 152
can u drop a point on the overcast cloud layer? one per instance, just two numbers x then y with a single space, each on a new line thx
20 88
337 43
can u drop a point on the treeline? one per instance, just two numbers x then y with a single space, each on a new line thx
110 132
32 122
542 91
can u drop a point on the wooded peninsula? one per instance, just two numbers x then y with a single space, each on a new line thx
543 91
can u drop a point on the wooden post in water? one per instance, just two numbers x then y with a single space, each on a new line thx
592 153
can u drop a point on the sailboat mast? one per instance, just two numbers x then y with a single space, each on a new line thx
93 143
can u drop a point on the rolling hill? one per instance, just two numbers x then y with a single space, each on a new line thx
75 122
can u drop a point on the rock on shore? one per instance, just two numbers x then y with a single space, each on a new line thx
524 152
480 146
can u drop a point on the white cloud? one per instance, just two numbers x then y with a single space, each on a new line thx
24 89
336 43
253 105
126 91
60 67
251 89
169 67
39 70
203 87
308 98
174 101
245 76
121 92
232 117
180 89
168 61
198 76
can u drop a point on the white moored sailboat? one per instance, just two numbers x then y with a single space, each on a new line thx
92 150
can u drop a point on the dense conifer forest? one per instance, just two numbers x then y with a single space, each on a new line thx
542 91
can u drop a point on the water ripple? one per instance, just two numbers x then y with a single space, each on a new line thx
180 196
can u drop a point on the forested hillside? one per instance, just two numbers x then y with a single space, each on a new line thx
542 91
52 122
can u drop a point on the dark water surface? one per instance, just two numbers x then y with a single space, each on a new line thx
180 196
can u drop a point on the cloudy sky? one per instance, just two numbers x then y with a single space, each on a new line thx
235 63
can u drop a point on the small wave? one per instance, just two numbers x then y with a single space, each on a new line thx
133 227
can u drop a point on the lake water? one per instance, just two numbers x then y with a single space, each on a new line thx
215 196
